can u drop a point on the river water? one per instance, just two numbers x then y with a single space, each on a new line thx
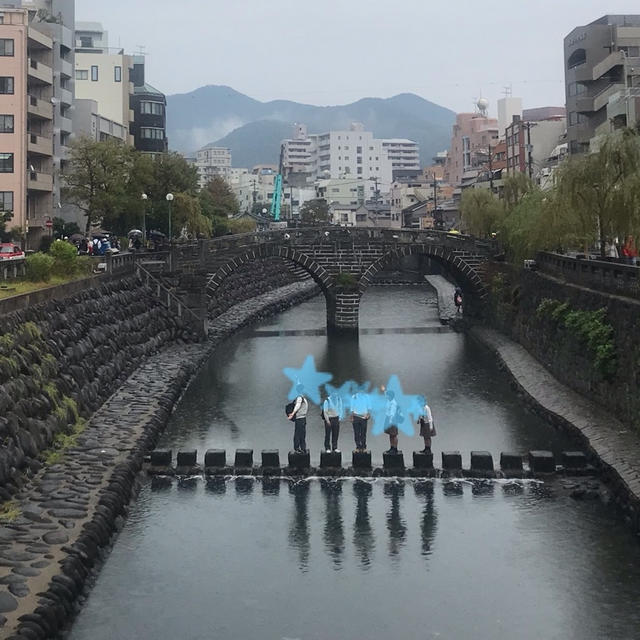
353 559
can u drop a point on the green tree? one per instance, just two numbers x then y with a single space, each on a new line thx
599 193
62 228
187 215
482 213
315 211
98 178
218 200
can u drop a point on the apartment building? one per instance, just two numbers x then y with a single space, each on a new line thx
353 153
602 65
473 135
149 106
87 121
529 143
213 161
26 123
103 74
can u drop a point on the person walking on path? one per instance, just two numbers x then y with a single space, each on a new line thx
457 299
360 413
332 411
391 418
299 414
427 426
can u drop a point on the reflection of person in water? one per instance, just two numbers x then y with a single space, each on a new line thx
363 538
333 526
395 525
299 529
429 522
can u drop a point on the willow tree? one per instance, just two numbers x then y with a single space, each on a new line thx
482 213
599 193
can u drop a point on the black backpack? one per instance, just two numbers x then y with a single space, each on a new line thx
288 409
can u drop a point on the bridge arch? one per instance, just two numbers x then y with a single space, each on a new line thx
461 267
317 272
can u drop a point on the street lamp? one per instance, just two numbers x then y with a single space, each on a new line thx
144 197
169 197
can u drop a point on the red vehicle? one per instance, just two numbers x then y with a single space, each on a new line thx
10 251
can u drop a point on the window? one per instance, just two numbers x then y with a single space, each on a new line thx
576 89
151 133
6 200
576 118
6 47
577 58
86 42
82 74
117 74
157 109
94 73
6 84
6 124
6 162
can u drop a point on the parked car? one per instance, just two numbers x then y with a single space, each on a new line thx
10 251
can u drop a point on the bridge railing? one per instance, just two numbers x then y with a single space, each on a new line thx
192 254
610 277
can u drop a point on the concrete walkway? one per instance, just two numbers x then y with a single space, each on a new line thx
444 289
617 448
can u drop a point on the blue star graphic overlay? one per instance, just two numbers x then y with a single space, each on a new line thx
345 391
409 407
309 377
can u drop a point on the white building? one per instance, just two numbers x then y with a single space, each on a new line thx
354 154
103 74
213 161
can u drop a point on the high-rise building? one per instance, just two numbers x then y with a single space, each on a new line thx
602 74
213 161
508 107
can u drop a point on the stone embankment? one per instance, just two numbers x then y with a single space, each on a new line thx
445 290
62 520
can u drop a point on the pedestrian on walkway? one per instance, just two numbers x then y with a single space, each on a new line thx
391 419
360 414
427 426
457 299
332 412
299 415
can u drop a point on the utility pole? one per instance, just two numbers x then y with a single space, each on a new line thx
529 150
490 169
376 193
255 194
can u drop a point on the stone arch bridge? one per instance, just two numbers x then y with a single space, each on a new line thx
327 252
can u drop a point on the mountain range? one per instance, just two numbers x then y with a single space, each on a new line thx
253 130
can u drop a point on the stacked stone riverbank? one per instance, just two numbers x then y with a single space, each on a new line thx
62 519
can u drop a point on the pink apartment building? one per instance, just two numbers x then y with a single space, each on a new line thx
473 133
26 124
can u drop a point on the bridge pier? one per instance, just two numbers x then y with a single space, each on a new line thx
343 310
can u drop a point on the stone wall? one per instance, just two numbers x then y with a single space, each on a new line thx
515 309
60 360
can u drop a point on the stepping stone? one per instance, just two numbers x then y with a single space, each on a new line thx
244 458
422 460
187 458
393 461
574 460
481 461
161 458
331 459
300 460
270 459
215 458
451 461
542 462
361 459
510 461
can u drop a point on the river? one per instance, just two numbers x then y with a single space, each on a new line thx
353 559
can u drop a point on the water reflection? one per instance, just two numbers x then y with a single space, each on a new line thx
429 521
299 528
333 525
396 526
216 485
363 538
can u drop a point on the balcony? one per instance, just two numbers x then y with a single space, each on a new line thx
40 108
40 181
66 68
39 71
65 96
40 39
65 124
590 104
39 144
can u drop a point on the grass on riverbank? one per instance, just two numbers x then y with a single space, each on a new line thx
9 511
63 442
10 288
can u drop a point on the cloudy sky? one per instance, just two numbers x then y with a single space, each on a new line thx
337 51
